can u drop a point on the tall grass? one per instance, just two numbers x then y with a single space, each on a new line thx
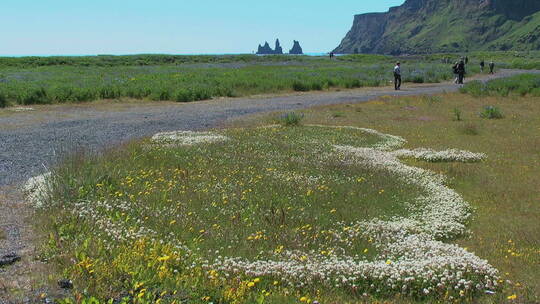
517 85
194 81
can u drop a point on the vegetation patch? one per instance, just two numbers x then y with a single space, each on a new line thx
526 84
274 214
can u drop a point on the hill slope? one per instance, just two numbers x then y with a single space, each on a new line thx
428 26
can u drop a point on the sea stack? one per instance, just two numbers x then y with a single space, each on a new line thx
296 49
267 50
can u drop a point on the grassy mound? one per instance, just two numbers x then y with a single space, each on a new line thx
142 221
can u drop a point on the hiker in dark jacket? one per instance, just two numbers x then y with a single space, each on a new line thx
397 76
492 67
482 65
461 71
454 70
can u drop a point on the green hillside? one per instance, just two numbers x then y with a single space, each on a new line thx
428 26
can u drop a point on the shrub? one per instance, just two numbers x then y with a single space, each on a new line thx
491 112
36 96
109 93
457 114
201 94
183 95
82 95
300 86
3 100
291 119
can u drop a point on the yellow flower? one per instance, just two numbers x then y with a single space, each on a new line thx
164 258
276 282
251 284
512 297
257 280
388 262
303 299
366 250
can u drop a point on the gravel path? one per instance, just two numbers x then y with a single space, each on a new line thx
32 141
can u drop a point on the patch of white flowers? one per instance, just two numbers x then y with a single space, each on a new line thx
37 189
187 138
451 155
412 258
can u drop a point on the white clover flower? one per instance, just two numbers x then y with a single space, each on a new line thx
187 138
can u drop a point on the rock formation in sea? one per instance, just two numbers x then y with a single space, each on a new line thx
296 49
267 50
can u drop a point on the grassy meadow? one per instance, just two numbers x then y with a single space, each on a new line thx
157 221
503 189
48 80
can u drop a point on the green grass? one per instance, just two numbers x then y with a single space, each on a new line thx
185 78
526 84
502 189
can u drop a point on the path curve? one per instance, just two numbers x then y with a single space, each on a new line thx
31 141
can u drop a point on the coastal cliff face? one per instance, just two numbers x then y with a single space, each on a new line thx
428 26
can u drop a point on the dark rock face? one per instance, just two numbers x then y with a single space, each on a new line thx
426 26
278 49
296 49
267 50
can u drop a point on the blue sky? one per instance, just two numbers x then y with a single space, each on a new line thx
77 27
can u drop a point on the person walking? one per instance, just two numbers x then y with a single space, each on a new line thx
492 67
461 71
482 65
454 69
397 76
466 59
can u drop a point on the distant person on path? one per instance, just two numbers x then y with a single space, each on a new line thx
492 67
466 60
482 65
461 71
454 69
397 76
331 55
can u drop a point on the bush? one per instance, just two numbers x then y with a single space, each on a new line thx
36 96
3 100
519 85
491 112
291 119
183 95
457 114
300 86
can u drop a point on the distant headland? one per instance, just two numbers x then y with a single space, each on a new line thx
278 50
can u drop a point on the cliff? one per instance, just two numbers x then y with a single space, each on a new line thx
429 26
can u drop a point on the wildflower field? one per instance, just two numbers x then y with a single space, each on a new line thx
43 80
